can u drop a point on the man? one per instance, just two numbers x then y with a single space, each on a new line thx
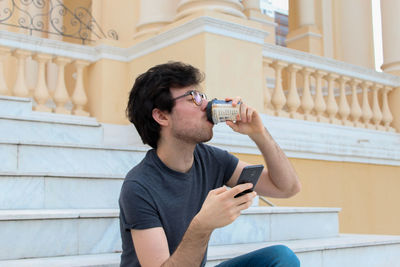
175 197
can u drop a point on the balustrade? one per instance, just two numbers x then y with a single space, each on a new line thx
45 99
333 98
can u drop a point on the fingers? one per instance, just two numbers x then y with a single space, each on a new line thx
218 190
238 189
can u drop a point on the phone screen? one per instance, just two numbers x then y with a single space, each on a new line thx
250 174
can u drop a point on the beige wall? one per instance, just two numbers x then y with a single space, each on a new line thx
368 194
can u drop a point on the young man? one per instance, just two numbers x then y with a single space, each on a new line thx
175 197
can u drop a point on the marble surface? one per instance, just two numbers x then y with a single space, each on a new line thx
48 132
56 237
21 192
48 192
11 106
246 228
8 157
84 160
344 250
304 225
81 193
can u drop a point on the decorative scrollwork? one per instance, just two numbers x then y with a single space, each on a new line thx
54 18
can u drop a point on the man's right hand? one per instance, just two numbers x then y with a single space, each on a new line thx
221 207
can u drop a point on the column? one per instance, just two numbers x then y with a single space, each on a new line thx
4 52
79 98
320 105
61 96
153 16
353 32
304 35
391 52
278 96
230 7
293 99
20 88
41 93
253 12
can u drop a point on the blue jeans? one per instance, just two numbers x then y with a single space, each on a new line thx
274 256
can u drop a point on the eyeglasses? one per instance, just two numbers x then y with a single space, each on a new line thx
197 97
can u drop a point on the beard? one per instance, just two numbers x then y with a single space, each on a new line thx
193 136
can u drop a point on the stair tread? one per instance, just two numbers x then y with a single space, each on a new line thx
7 215
80 260
34 214
218 252
305 245
132 148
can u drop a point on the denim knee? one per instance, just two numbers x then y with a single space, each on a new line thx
284 256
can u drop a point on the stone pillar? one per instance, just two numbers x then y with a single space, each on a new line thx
154 14
391 36
304 35
353 32
253 12
391 53
230 7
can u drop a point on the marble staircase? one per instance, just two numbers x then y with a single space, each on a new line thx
60 178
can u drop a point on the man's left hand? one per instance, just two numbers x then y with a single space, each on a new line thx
248 122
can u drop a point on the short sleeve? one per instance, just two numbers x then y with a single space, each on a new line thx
226 160
137 208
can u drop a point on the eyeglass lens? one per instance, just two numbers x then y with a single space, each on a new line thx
197 98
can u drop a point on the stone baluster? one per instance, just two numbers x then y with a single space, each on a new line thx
267 93
41 93
293 100
366 108
320 105
376 111
79 98
387 116
278 97
344 108
307 103
61 95
355 112
331 105
20 88
4 52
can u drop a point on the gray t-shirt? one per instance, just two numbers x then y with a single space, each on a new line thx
153 195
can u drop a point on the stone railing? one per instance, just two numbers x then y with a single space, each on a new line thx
35 72
318 89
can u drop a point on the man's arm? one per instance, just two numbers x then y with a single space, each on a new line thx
279 179
219 209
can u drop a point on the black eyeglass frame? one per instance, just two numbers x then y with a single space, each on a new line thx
191 93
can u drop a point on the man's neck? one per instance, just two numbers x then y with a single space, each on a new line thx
177 156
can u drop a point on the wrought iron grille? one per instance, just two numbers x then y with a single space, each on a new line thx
54 18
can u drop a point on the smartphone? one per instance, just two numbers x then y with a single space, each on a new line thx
250 174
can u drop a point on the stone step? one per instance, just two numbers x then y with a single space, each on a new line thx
67 232
29 190
262 224
52 128
64 158
93 260
49 233
14 106
345 250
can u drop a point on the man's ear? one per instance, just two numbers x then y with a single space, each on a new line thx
161 117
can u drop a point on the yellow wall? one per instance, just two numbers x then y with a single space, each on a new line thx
368 194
